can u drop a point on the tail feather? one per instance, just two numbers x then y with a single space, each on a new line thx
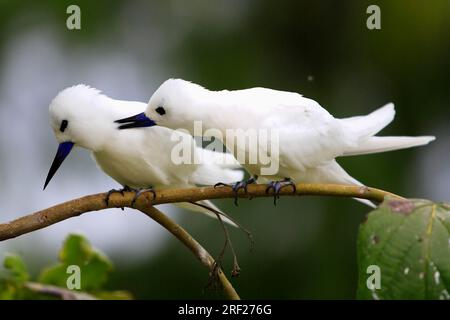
382 144
333 173
364 129
369 125
206 203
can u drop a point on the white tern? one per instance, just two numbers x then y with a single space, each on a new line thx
309 138
137 159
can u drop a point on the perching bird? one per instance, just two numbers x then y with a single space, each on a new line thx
137 159
309 138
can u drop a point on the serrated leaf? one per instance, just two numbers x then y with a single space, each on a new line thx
17 267
409 240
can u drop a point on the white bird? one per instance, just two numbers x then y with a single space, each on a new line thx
310 138
137 159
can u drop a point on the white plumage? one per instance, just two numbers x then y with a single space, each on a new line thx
134 158
310 138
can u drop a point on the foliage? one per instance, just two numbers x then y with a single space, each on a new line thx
409 240
94 269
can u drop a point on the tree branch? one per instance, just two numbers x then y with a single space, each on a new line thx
64 294
76 207
202 255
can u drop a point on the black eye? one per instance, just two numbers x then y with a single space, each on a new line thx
160 111
64 125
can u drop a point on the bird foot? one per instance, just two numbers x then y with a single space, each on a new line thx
121 191
141 192
278 185
236 186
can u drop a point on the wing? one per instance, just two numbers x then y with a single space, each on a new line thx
305 134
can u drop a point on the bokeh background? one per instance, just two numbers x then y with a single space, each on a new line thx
305 247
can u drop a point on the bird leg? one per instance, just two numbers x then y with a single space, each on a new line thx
278 185
238 185
121 191
139 192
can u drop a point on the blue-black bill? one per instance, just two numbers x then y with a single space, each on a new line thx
63 151
137 121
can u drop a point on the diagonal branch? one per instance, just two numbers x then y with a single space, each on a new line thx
201 254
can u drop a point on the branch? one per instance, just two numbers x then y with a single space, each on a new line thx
76 207
64 294
202 255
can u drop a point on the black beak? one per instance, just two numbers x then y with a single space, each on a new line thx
63 151
137 121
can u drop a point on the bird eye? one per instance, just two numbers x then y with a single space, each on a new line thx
160 111
64 125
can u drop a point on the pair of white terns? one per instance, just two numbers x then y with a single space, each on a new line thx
132 141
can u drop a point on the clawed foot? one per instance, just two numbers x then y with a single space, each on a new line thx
121 191
236 186
278 185
138 193
141 192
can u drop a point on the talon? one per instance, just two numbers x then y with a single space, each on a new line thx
270 186
221 184
140 192
111 192
277 186
236 186
121 191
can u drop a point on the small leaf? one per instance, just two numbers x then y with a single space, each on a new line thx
409 240
17 268
94 266
76 250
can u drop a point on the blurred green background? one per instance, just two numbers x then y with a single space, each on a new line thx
305 247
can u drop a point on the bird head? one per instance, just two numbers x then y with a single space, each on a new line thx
170 106
78 117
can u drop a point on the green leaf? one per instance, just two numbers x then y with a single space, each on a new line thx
409 240
76 250
17 268
93 265
7 290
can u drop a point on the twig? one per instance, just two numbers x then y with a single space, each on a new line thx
64 294
202 255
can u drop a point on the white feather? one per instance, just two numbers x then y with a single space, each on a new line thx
310 139
136 158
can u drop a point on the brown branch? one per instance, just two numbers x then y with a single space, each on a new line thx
202 255
64 294
76 207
